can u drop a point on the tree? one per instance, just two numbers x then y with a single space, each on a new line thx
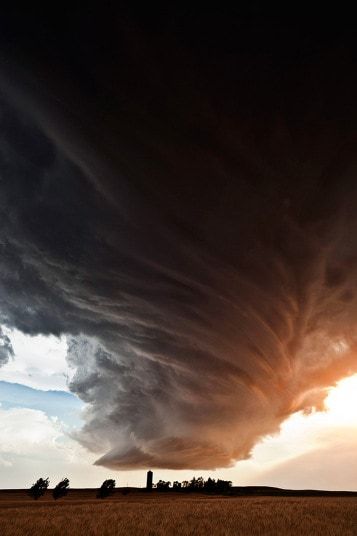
38 488
176 486
162 485
106 488
223 485
61 489
200 483
210 485
196 484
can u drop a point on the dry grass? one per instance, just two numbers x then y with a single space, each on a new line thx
181 515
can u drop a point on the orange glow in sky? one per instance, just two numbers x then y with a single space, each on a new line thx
341 403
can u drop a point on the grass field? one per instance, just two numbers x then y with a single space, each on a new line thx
175 514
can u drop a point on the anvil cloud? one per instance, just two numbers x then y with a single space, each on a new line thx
189 222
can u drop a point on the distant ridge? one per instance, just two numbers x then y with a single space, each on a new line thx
270 491
244 491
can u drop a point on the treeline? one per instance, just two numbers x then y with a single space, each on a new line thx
38 489
196 484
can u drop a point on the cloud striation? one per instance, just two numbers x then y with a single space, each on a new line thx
186 215
6 349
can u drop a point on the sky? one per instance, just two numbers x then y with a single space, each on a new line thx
178 273
39 414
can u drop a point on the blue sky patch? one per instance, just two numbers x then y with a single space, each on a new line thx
66 406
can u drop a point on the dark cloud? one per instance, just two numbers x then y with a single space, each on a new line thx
6 349
186 214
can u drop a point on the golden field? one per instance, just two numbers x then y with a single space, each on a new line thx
176 514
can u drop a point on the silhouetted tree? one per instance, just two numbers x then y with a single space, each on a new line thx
106 488
176 485
39 488
223 485
162 485
210 485
196 484
199 484
61 489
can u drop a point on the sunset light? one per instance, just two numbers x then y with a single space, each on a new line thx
341 402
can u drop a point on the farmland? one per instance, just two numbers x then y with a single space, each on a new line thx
170 514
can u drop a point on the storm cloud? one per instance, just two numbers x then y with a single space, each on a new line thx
6 349
186 215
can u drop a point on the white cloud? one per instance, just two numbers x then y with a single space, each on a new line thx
5 463
331 466
34 445
311 451
30 432
39 361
